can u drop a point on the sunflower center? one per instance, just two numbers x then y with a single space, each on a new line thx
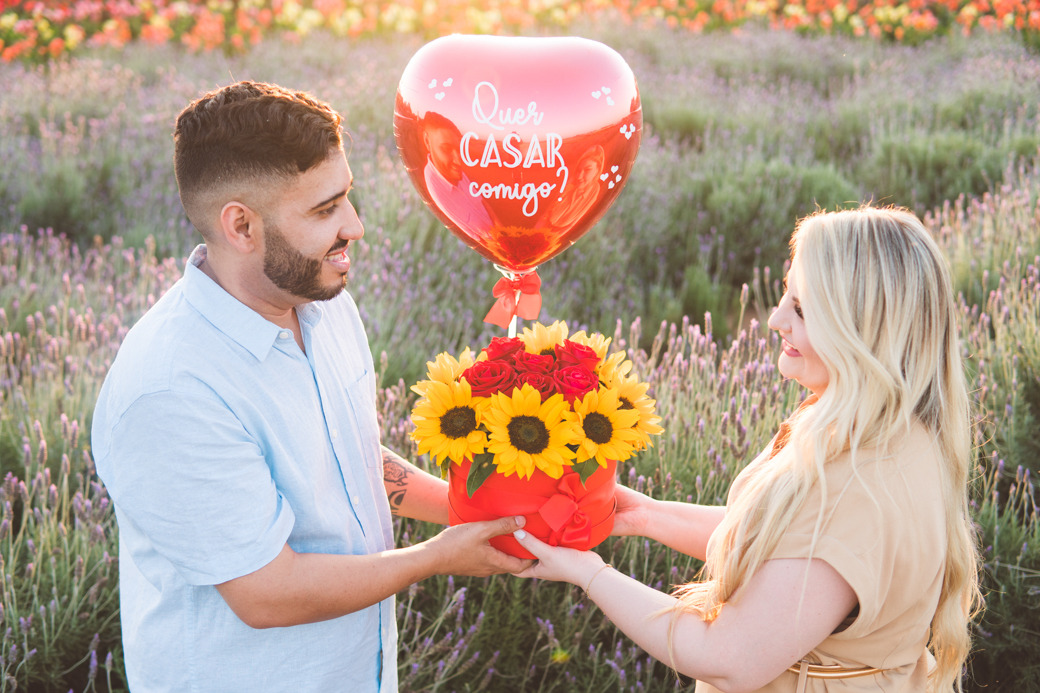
598 428
458 422
626 403
528 433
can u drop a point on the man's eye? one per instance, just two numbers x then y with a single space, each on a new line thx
328 210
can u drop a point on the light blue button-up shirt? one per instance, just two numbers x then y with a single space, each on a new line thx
220 441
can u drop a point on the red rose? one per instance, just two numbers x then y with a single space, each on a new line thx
574 382
488 377
534 363
544 383
503 347
573 354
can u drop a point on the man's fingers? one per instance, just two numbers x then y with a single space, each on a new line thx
505 525
518 565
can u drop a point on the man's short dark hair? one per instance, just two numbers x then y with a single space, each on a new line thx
232 139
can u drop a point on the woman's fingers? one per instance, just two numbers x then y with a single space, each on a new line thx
556 562
531 543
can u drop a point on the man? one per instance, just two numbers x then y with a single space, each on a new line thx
236 431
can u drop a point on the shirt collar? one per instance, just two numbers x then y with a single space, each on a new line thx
232 317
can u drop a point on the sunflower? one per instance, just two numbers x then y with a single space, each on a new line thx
525 433
632 396
447 422
445 369
614 368
542 339
608 429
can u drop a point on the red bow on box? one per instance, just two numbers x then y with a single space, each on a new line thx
520 296
565 514
560 512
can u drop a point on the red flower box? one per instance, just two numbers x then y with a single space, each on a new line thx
560 512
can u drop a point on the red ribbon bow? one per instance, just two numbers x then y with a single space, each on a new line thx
517 296
564 515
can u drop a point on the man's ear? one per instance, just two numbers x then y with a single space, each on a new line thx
240 226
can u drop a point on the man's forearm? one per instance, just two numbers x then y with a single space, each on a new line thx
297 588
412 492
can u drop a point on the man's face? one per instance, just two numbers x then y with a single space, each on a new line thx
305 241
292 271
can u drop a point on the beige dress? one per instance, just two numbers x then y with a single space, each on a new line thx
884 531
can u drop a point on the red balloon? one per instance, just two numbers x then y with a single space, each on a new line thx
518 144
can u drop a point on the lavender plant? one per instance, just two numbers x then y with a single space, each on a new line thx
681 272
63 312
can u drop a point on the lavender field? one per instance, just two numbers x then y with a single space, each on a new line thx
743 134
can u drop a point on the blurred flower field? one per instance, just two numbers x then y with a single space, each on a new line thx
46 29
744 132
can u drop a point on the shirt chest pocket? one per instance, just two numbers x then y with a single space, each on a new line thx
360 419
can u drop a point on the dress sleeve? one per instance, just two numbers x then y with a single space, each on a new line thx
185 472
849 532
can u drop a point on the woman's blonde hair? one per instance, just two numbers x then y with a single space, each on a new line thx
879 309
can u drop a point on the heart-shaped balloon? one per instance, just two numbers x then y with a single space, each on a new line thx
518 144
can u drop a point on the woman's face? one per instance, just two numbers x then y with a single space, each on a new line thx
798 360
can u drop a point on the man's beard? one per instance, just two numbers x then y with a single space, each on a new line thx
291 271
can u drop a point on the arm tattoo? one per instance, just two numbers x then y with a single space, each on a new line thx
395 474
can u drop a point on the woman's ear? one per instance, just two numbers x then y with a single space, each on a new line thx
239 226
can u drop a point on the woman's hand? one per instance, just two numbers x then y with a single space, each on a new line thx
685 527
557 562
633 513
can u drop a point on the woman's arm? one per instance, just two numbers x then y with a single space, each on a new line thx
788 607
684 527
412 492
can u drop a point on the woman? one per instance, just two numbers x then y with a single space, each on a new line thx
844 559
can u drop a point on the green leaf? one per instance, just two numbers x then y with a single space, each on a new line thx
586 469
483 466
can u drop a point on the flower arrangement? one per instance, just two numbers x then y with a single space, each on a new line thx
535 425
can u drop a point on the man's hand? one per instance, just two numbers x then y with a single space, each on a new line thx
464 549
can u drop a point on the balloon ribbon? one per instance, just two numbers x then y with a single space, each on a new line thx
517 296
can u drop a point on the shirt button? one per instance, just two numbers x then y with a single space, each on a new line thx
284 334
334 433
356 500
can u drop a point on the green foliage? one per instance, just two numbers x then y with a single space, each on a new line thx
752 134
1008 636
930 167
994 250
